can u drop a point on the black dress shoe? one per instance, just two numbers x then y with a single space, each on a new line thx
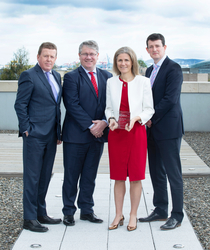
47 220
153 217
68 220
91 217
171 223
34 225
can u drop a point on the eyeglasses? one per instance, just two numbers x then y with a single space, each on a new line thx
86 55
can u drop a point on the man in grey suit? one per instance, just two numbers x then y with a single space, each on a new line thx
38 110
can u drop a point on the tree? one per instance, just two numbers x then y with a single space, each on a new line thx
142 64
16 66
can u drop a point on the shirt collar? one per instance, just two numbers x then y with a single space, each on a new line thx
161 61
87 71
44 70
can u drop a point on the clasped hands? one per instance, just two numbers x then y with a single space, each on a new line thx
98 128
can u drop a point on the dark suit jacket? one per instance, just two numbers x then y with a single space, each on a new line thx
167 122
36 108
83 106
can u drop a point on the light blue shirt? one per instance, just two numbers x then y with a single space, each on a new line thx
52 78
159 64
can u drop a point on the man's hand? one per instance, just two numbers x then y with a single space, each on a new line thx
59 142
113 124
149 124
98 128
26 133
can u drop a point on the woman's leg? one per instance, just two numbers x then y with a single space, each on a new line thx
119 193
135 196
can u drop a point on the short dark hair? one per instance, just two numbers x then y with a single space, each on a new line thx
154 37
47 45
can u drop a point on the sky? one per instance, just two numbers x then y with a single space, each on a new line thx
185 25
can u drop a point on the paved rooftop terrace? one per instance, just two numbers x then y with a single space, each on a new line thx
86 235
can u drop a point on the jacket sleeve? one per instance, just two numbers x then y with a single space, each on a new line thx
109 112
147 104
174 79
25 89
72 103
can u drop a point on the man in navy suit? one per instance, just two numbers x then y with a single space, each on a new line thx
38 110
164 131
84 132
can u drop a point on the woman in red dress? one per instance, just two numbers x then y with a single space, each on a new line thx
129 105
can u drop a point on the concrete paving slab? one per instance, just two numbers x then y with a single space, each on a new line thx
147 236
11 158
86 235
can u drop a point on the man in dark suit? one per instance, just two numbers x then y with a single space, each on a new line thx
164 131
38 110
84 132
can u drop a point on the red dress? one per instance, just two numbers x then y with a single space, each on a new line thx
127 150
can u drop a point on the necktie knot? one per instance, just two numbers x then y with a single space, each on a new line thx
156 66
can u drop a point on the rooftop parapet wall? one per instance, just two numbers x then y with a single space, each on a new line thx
195 77
187 86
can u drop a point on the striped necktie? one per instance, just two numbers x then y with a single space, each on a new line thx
153 75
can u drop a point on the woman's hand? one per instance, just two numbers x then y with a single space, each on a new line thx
113 124
132 122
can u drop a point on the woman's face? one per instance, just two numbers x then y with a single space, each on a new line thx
124 63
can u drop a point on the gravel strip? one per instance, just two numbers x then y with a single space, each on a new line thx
11 210
196 198
197 190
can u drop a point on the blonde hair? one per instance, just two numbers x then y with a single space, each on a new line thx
132 54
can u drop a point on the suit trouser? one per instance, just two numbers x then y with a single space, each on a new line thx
38 159
80 164
164 161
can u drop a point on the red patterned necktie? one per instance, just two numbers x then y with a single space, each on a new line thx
93 80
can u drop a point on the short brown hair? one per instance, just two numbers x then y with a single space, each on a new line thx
132 54
47 45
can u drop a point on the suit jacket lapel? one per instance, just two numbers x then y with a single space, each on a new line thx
149 71
165 62
101 80
44 80
59 84
87 79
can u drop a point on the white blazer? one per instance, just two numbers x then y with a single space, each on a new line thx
139 98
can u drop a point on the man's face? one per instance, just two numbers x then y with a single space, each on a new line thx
156 50
47 59
88 58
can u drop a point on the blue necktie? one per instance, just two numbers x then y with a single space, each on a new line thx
52 85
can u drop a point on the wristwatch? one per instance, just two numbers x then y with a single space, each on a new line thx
110 119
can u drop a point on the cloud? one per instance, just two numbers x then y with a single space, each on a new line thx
109 5
29 23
